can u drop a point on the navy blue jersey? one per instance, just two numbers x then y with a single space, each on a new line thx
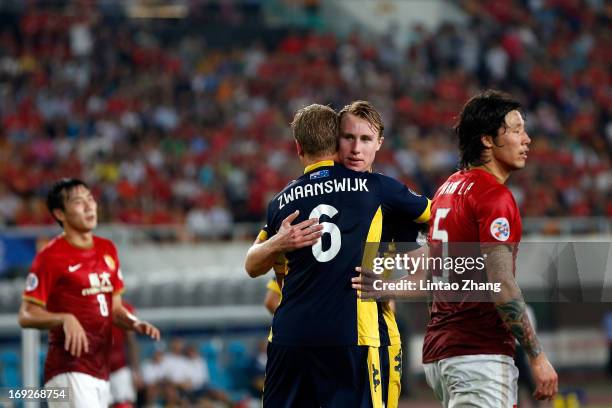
318 305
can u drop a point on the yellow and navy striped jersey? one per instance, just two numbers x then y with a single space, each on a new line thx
273 286
319 307
401 233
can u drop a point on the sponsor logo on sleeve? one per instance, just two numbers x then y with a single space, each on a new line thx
31 282
110 262
500 229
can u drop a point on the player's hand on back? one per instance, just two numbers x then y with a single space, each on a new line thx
364 283
75 341
290 237
545 377
147 329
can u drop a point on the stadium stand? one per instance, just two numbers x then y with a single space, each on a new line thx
156 119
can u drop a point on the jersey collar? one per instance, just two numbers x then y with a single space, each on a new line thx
324 163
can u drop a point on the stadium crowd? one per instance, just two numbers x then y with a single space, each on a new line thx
169 130
184 375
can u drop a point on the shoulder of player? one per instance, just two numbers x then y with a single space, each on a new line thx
380 179
388 186
494 190
104 244
98 240
52 247
284 190
493 195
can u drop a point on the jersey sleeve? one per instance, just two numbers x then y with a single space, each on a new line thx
39 281
268 230
129 307
497 216
280 265
117 275
400 200
273 286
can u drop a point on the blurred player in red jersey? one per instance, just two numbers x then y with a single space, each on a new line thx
124 366
469 346
74 291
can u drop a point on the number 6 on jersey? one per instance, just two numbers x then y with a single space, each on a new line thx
328 228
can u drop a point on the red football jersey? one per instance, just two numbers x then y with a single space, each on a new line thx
118 357
470 207
67 279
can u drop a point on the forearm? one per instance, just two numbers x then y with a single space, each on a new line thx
429 293
132 351
36 317
123 318
260 257
509 301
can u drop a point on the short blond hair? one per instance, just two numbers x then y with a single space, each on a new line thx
316 127
366 111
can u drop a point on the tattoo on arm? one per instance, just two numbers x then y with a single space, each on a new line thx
509 301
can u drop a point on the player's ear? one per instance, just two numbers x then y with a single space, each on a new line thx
59 215
487 141
380 142
299 149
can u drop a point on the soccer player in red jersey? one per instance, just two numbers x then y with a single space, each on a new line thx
74 291
469 346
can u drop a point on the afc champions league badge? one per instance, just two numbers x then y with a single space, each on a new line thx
500 229
31 282
110 262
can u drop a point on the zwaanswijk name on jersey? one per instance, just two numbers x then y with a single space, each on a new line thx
326 187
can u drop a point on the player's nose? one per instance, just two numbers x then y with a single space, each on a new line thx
90 205
527 138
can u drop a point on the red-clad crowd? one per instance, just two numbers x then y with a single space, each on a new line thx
168 130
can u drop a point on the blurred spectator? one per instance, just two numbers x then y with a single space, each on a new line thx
608 333
174 130
152 372
177 367
200 390
9 205
259 368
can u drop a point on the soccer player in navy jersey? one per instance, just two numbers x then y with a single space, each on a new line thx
324 340
360 138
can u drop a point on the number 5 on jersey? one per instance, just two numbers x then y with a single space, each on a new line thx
442 235
328 228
